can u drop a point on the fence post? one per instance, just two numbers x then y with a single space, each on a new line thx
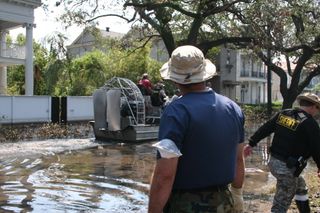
55 109
63 105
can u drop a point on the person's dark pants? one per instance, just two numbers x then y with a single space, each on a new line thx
200 201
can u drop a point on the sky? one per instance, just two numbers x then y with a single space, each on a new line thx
46 25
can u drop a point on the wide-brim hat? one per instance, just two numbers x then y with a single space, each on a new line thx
313 98
187 65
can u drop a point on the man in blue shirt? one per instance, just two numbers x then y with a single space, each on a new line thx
200 148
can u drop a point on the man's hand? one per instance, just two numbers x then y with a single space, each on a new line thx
237 199
247 150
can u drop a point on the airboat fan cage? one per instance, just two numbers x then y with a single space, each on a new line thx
131 97
120 113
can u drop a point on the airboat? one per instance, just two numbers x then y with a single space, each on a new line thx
122 113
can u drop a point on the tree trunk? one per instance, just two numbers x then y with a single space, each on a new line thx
288 100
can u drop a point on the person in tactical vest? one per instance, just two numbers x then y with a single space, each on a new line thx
158 96
296 138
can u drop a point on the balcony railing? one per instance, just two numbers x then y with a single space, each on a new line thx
13 51
262 75
253 74
244 73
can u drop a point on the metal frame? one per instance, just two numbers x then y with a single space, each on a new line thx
130 93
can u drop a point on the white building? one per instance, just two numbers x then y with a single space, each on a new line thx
88 41
243 77
159 51
15 14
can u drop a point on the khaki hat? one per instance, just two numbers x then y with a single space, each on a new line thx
187 65
310 97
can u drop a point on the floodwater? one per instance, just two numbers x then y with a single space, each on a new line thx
109 177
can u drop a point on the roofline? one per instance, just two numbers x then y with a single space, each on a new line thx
83 31
32 3
78 37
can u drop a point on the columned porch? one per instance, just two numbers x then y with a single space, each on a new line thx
16 14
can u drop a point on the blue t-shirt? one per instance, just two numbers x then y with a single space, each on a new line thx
207 128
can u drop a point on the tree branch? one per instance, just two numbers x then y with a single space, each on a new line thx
225 7
113 15
207 45
164 32
276 69
153 6
306 55
288 65
307 80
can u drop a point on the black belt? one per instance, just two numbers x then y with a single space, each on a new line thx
214 188
279 157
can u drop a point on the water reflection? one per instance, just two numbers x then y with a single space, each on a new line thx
112 178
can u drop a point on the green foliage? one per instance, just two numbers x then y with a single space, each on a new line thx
153 69
40 62
316 88
81 76
21 39
53 72
8 39
259 111
15 80
212 53
56 76
87 73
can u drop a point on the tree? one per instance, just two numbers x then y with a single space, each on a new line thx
288 29
176 22
291 31
41 59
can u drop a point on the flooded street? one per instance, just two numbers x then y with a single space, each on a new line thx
102 177
109 178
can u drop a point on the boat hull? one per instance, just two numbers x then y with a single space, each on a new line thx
129 134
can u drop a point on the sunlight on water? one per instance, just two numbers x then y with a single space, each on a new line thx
109 179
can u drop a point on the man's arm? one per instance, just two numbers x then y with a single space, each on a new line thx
265 130
161 184
236 185
239 178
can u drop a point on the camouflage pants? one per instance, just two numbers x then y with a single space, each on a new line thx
199 202
287 185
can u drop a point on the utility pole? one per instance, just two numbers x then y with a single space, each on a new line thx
269 103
